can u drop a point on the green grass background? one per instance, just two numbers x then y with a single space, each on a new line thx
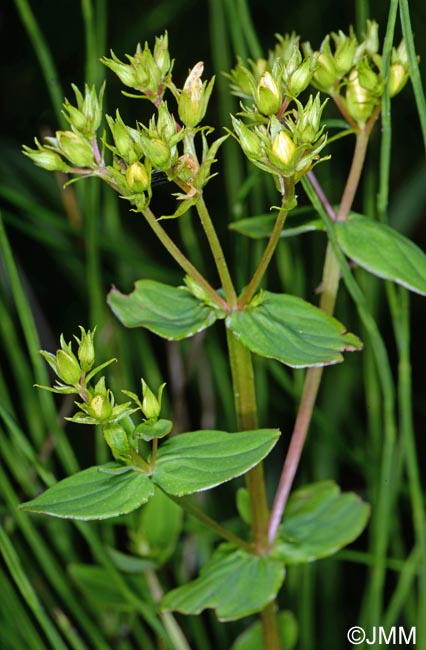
60 253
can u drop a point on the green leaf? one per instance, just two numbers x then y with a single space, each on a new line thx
251 639
298 222
291 330
171 312
383 251
95 582
199 460
318 521
234 582
95 493
159 528
149 430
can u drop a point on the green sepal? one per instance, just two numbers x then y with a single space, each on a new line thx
319 520
383 251
234 582
149 430
171 312
184 204
291 330
94 371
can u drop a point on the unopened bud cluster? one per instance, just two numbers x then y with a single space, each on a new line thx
165 144
75 370
281 135
351 71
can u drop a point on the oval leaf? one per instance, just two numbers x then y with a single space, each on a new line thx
298 222
318 521
252 638
199 460
292 331
383 251
234 582
171 312
95 493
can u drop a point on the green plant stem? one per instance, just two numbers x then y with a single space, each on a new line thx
180 258
401 319
192 509
217 251
175 633
380 523
260 271
44 58
245 406
329 289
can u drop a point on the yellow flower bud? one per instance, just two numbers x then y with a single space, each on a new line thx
137 177
283 147
268 95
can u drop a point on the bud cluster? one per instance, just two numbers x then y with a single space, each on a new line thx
98 406
137 150
288 147
350 71
147 72
272 83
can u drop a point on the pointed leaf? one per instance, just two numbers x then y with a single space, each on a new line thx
383 251
95 493
260 226
159 527
252 639
319 520
291 330
96 584
234 582
171 312
199 460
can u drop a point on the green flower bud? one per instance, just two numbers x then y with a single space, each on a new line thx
86 349
242 80
87 116
398 77
369 79
306 127
344 53
285 48
151 404
166 123
75 148
301 76
159 153
100 407
141 73
161 55
249 140
127 141
268 95
45 158
194 97
399 69
360 102
68 368
137 177
370 45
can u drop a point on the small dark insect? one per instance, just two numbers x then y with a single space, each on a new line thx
158 177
